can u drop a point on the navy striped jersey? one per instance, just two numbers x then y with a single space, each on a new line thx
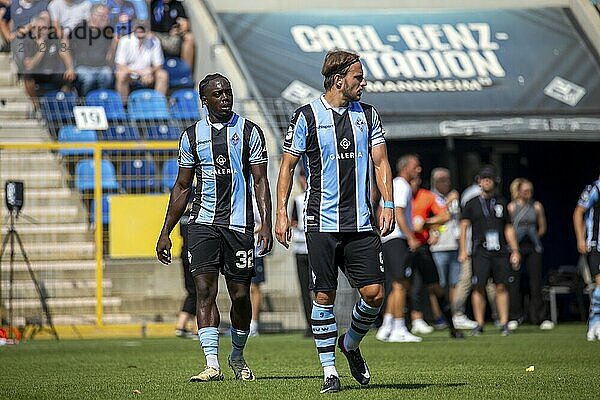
335 145
590 200
222 155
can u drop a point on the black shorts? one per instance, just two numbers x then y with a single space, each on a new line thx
422 261
593 259
404 263
395 253
486 264
357 254
218 249
259 269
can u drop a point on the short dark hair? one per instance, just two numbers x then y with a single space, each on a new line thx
206 81
337 62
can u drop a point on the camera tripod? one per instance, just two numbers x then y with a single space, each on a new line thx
10 237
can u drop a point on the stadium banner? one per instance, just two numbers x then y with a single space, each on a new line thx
492 61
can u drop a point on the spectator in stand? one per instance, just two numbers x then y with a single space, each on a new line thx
445 251
46 60
301 252
139 59
494 245
67 14
16 19
6 35
171 26
529 219
93 51
121 14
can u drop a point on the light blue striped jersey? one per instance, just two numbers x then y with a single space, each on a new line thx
222 157
590 200
335 147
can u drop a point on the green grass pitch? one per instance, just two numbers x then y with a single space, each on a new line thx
486 367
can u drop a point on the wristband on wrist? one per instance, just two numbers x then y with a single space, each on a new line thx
388 204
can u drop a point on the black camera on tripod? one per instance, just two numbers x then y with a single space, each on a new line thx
14 195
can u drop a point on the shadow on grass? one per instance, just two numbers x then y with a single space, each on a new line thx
405 386
264 378
402 386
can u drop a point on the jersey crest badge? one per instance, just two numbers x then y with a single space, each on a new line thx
235 139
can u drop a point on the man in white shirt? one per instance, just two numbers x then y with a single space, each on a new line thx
139 59
396 248
67 14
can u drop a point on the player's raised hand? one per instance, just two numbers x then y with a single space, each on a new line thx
283 229
386 221
163 249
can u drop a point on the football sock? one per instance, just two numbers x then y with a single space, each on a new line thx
324 332
399 324
209 340
238 341
595 306
363 316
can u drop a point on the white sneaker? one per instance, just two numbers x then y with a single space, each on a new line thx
383 333
420 326
594 332
591 336
403 336
547 325
513 325
253 333
461 321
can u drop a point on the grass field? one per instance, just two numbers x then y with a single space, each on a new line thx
486 367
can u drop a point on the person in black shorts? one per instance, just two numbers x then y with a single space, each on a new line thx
336 135
495 247
228 154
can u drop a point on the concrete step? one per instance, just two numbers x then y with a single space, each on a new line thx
48 178
90 319
25 289
54 233
13 109
13 156
51 214
7 77
16 92
74 303
52 266
57 251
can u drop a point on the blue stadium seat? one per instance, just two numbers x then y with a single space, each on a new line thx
170 170
70 133
84 175
180 74
121 133
185 105
58 106
105 210
110 100
162 132
147 104
139 176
